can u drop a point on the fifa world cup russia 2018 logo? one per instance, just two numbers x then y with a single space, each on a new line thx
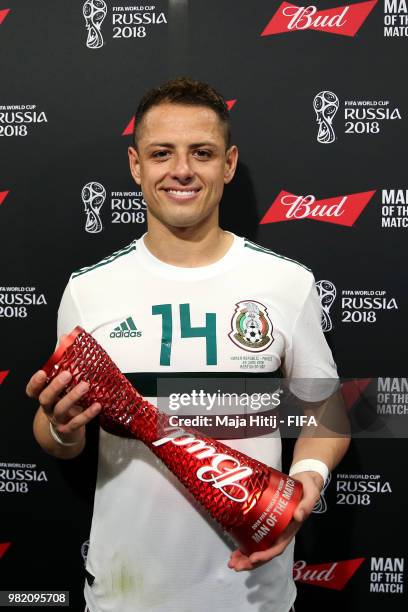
93 196
326 104
327 294
251 327
94 12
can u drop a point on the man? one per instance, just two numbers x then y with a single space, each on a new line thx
179 287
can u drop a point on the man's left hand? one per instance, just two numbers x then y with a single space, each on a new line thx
312 485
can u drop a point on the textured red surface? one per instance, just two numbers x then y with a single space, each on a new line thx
234 488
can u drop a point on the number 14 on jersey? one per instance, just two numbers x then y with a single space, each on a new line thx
208 331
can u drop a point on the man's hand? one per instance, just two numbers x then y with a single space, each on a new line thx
62 410
312 485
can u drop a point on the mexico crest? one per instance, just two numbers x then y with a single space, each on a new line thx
251 327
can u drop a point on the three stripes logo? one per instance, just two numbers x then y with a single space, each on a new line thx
127 329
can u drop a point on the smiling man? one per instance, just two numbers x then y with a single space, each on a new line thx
202 301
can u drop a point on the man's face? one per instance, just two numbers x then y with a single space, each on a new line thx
181 164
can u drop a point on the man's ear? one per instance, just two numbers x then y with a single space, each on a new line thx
231 160
134 164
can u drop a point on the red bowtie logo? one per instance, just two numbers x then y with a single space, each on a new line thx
344 20
341 210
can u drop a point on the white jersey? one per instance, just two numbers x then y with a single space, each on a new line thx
252 312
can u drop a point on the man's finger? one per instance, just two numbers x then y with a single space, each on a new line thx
81 419
63 409
36 384
50 395
266 555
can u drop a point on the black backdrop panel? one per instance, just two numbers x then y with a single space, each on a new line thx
65 110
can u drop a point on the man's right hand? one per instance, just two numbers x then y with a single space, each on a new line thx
68 418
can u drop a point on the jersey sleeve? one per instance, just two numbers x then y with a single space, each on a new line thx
69 313
309 363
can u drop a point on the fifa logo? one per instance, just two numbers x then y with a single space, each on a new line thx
93 196
326 104
94 12
327 294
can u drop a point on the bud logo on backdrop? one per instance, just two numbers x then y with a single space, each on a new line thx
394 209
18 302
3 196
127 21
341 210
344 20
361 117
3 14
392 396
18 119
334 575
387 575
128 131
395 18
125 206
20 477
360 489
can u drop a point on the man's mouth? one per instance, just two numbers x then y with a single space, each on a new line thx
182 194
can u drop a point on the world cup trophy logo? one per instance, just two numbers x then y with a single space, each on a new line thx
93 196
326 104
320 506
94 12
327 294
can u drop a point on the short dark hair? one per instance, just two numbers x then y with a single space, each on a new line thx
184 90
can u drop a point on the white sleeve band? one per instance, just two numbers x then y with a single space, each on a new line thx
56 437
310 465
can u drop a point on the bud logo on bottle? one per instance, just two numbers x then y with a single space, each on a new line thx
344 20
218 474
341 210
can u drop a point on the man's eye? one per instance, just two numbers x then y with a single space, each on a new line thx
160 154
203 153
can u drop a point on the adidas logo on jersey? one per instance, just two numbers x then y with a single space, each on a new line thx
127 329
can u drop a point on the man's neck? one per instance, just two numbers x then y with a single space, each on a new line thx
188 247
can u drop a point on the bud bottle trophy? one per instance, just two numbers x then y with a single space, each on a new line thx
252 502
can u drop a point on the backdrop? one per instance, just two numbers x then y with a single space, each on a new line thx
318 103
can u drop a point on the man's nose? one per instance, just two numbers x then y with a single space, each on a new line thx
181 168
